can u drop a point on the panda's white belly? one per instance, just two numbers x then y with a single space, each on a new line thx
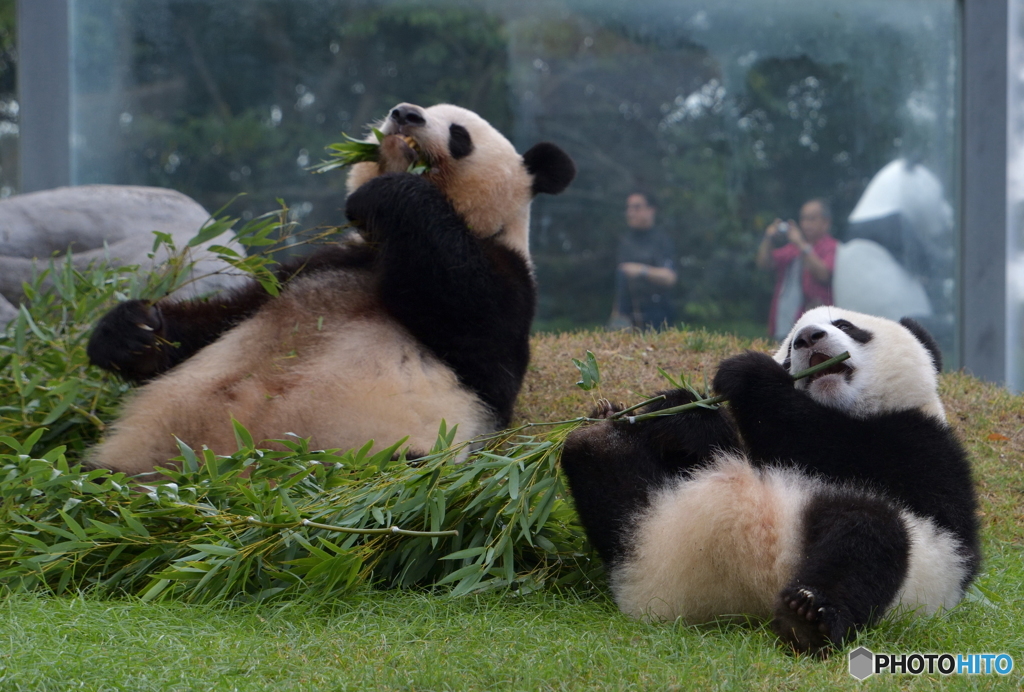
723 541
729 538
339 378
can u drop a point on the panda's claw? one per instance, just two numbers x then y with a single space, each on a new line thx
807 621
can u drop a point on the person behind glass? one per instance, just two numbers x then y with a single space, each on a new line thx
644 270
803 256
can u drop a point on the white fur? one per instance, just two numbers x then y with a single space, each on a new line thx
892 372
724 541
936 571
494 189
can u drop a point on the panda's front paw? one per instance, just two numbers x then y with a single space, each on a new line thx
361 204
386 198
128 340
736 375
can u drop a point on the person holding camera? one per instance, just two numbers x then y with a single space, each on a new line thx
803 256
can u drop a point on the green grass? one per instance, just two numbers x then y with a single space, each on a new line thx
427 641
416 640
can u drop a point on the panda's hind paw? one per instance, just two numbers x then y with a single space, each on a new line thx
807 621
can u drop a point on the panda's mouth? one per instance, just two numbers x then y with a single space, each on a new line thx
401 153
817 358
414 152
411 143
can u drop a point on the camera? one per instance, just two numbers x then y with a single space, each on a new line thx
780 238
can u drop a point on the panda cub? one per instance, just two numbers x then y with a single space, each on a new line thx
822 504
425 318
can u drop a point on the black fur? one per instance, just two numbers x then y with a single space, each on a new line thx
855 544
925 338
856 556
856 333
460 144
613 466
468 300
551 168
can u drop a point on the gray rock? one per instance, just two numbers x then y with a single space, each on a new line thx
103 222
7 312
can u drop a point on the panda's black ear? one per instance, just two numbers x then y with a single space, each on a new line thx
925 338
551 168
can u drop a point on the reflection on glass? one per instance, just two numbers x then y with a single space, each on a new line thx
731 113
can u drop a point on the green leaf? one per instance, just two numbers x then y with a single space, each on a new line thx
467 553
242 436
590 375
155 590
513 481
213 228
210 549
75 527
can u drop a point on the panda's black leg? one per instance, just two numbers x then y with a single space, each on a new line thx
856 552
611 473
140 340
614 466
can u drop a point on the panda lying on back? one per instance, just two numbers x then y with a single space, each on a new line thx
853 495
428 319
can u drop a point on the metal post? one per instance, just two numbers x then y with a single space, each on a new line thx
44 94
983 202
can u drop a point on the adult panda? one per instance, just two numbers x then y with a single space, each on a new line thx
424 318
822 504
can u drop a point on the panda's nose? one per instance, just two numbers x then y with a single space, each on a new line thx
808 336
407 114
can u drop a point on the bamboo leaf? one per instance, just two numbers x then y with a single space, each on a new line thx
464 554
210 549
590 375
242 436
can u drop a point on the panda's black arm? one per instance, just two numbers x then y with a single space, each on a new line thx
779 422
426 254
139 340
470 301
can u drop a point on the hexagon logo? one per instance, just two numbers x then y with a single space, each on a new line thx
862 663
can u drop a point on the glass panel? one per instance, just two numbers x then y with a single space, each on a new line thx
1015 201
729 114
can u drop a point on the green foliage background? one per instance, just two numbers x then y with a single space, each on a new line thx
216 99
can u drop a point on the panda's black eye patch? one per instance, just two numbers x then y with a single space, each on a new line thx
460 144
856 333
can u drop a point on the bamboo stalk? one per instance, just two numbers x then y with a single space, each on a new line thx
345 529
711 401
